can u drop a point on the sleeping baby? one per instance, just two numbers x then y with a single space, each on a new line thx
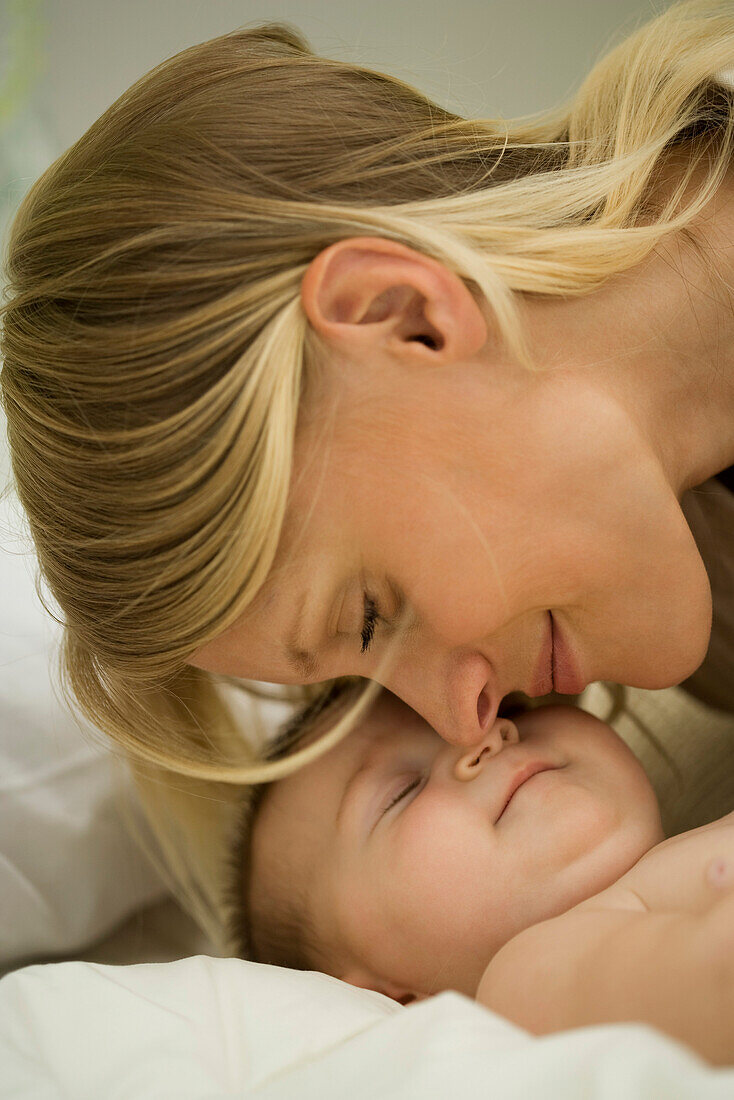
529 872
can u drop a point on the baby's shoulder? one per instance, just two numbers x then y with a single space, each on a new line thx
683 873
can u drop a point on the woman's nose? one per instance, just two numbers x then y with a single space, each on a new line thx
470 764
473 697
456 693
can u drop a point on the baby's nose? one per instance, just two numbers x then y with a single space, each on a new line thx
470 763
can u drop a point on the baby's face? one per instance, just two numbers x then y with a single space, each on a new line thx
416 867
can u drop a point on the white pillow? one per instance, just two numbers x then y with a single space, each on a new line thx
204 1028
69 870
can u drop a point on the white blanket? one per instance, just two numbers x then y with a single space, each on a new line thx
209 1028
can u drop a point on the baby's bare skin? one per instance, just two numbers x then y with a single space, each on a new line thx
657 947
684 873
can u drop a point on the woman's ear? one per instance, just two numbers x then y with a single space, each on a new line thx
421 307
364 980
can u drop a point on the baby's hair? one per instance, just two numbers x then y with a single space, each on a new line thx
155 346
286 937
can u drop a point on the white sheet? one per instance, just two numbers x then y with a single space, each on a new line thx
209 1028
69 869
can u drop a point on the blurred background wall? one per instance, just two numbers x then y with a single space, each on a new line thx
63 62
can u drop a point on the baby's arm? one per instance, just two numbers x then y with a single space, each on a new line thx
674 971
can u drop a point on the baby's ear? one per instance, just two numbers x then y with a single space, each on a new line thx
364 980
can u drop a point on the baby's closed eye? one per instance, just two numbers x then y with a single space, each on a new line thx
404 791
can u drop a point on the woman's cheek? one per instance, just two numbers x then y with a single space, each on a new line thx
475 604
474 609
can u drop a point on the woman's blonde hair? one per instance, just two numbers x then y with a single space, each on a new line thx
155 347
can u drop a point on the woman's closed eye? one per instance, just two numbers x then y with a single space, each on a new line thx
371 615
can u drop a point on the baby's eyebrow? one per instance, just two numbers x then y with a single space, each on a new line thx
369 759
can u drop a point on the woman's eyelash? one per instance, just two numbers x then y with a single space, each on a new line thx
406 790
371 615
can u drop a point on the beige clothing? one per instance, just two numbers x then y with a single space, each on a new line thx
709 510
696 784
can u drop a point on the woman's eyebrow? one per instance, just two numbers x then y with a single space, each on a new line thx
303 662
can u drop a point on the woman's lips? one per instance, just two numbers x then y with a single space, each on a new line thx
543 676
556 669
567 680
527 771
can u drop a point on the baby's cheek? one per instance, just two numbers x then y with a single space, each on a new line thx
439 861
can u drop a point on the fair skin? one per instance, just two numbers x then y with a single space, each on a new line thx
655 947
528 523
549 895
418 897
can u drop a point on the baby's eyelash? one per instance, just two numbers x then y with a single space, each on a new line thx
371 615
406 790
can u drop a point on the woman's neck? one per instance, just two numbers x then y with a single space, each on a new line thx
681 385
685 385
659 340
